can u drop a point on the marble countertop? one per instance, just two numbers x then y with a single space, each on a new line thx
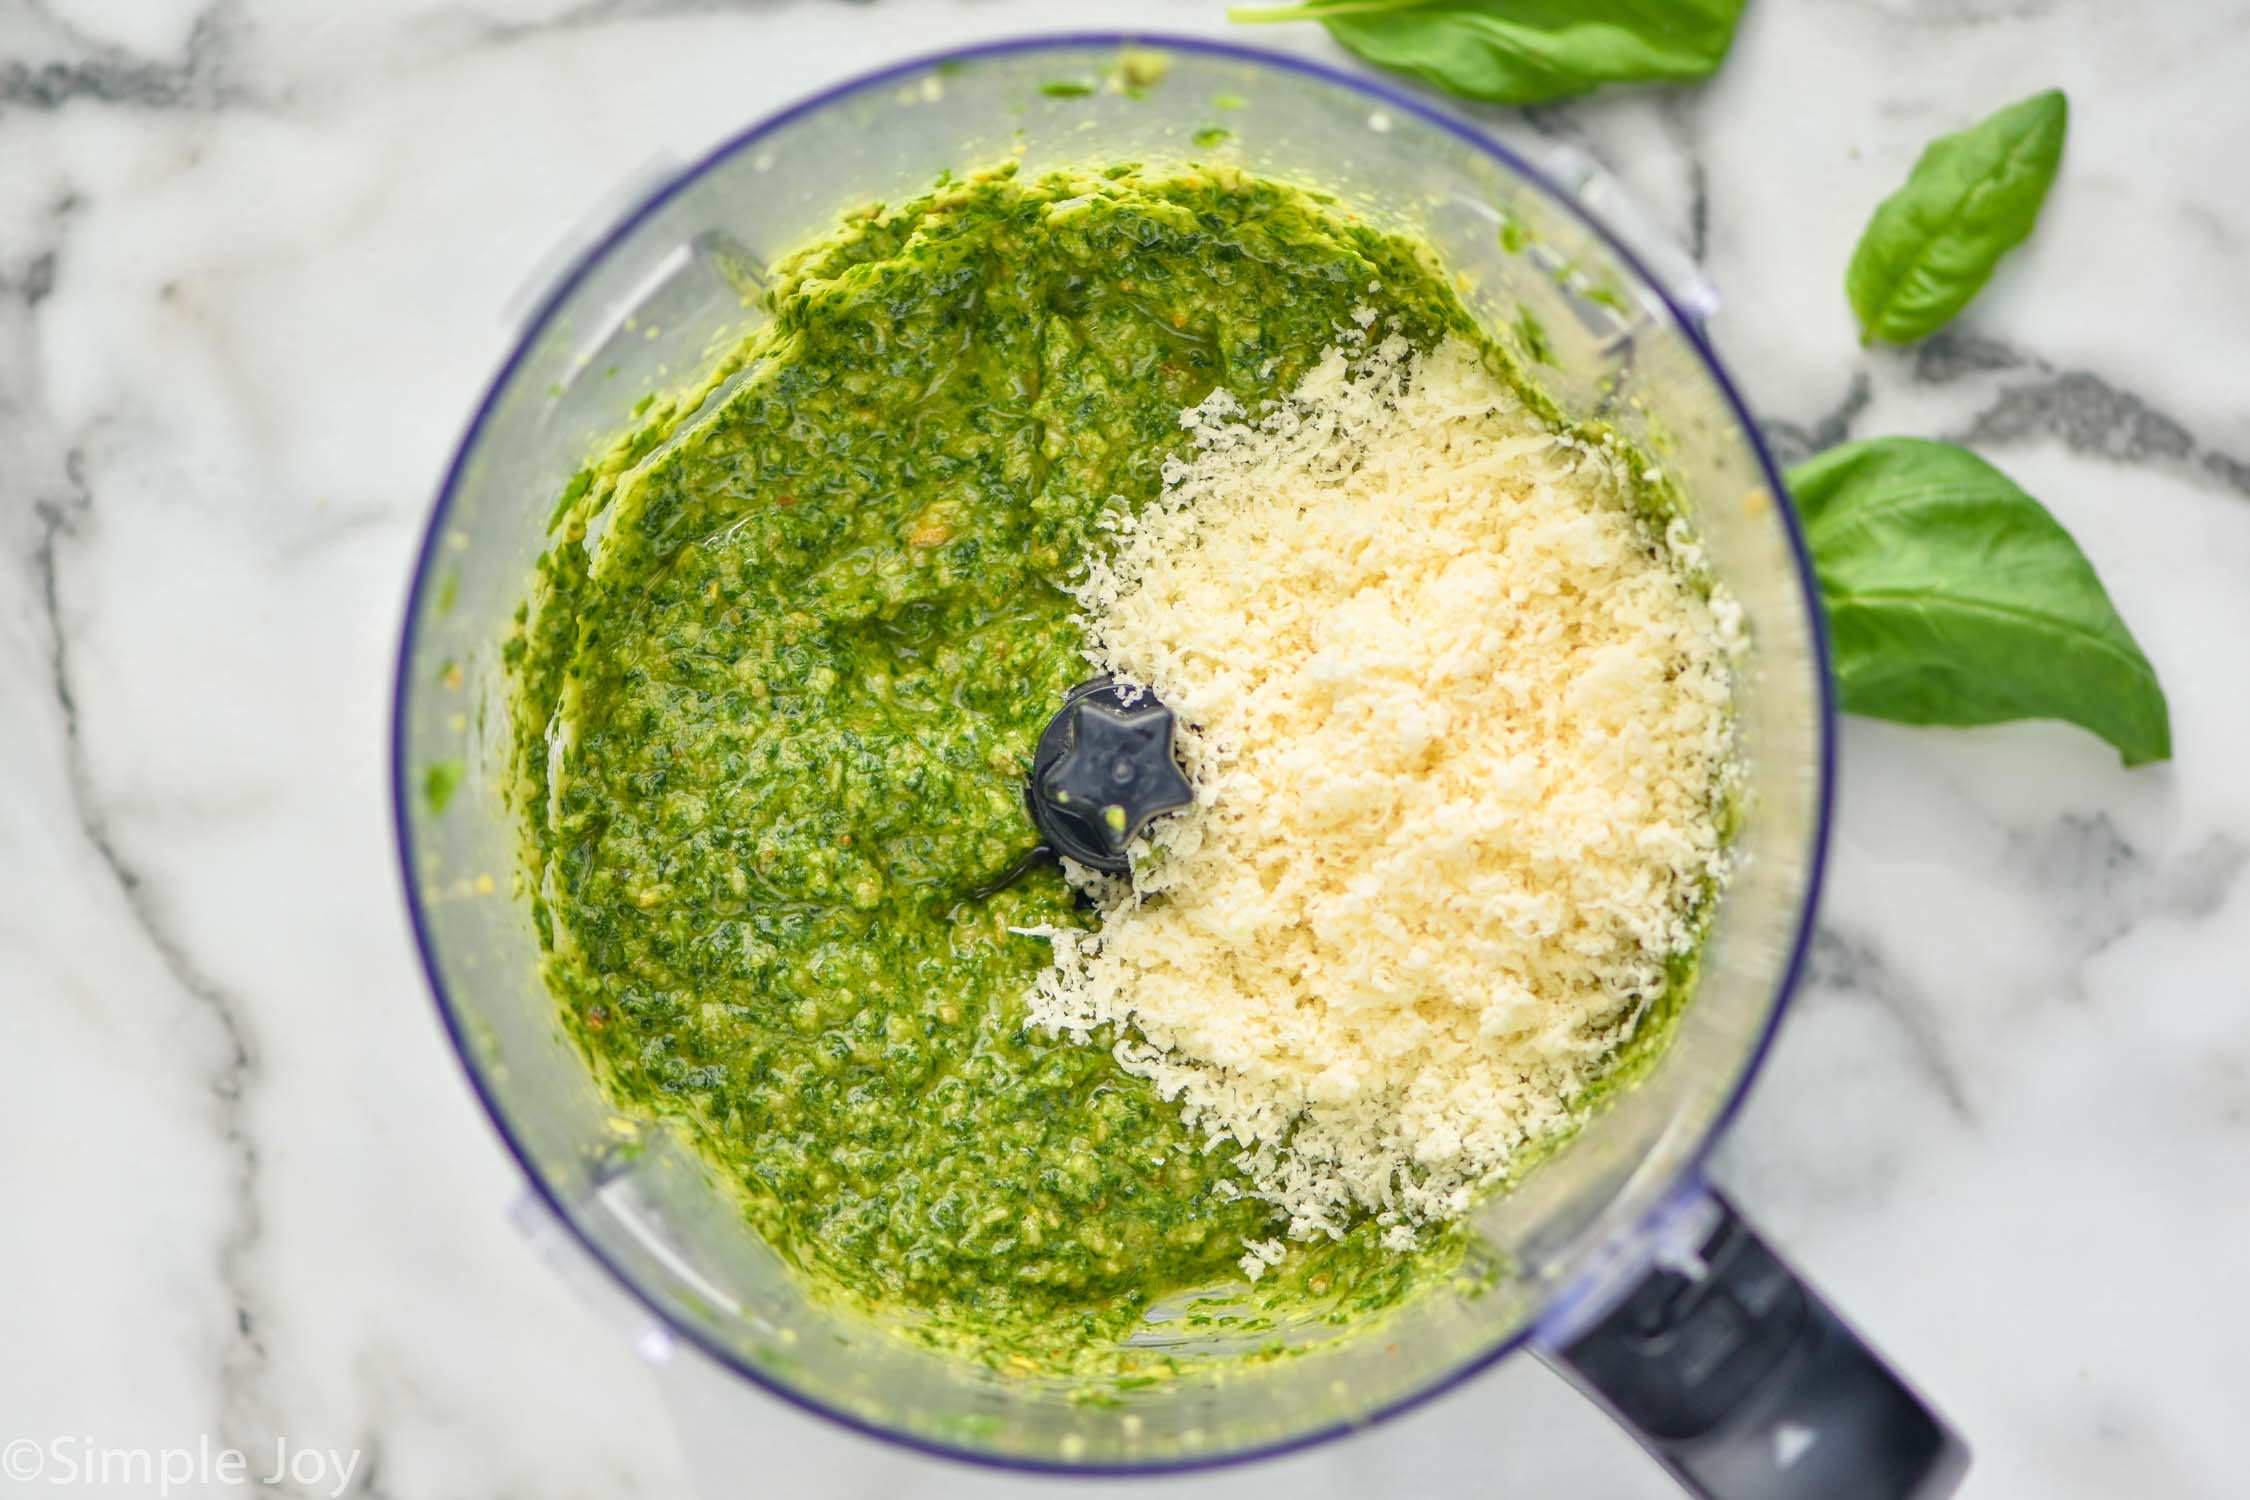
253 266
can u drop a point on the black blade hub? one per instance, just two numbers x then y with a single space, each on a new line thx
1104 768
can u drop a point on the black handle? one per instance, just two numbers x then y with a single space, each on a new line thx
1747 1386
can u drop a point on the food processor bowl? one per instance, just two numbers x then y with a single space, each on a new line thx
1609 1253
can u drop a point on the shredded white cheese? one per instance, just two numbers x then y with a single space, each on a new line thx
1457 722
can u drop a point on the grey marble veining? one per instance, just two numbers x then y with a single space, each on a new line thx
254 258
85 68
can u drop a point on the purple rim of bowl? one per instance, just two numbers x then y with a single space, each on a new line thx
1375 92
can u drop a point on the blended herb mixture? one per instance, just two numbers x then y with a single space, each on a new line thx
793 647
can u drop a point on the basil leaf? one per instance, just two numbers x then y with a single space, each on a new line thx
1525 51
1972 198
1954 598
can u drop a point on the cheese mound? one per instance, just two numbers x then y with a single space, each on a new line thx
1457 718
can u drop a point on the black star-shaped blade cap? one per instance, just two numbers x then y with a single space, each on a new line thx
1103 768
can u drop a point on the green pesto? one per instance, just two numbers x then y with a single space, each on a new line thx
798 673
440 781
1531 337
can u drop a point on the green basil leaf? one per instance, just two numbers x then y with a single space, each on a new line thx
1972 198
1954 598
1525 51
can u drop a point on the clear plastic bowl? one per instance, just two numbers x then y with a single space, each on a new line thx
642 309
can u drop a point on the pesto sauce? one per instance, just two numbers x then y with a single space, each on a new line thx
799 633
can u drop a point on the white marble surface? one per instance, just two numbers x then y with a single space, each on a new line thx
252 262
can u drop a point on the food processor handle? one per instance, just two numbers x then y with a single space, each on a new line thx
1745 1384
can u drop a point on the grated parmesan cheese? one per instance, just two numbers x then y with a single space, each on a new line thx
1457 723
